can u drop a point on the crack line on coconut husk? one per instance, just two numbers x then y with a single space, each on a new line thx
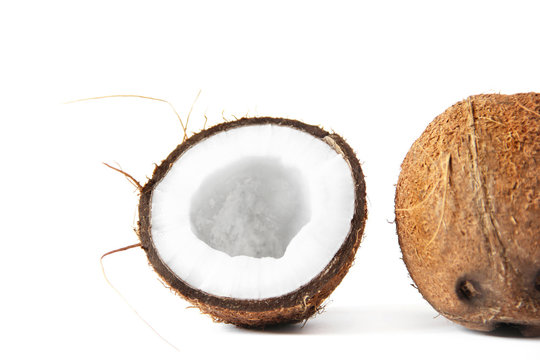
527 109
488 223
490 119
444 178
421 202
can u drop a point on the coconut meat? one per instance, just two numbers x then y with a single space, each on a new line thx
254 207
253 212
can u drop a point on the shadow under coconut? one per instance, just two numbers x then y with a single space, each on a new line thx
508 331
363 319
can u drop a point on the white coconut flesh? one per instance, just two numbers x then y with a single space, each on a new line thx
253 212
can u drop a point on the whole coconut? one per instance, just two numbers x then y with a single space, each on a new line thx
468 209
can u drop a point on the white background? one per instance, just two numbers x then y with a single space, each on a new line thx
376 73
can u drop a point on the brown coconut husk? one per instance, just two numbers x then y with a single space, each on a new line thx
468 209
289 308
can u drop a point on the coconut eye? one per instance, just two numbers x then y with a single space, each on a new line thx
537 282
467 290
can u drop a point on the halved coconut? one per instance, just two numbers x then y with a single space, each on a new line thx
255 221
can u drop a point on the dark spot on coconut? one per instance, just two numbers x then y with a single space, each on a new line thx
449 170
467 290
537 282
505 329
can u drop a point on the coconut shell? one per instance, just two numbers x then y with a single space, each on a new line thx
289 308
467 212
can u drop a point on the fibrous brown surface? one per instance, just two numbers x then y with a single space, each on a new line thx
292 307
467 212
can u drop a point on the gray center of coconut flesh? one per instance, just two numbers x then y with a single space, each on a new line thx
253 207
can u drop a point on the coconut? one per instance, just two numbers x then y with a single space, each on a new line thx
255 221
467 210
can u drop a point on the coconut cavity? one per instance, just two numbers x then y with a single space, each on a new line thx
255 221
254 207
467 211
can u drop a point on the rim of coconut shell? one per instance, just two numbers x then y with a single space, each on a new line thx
308 296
